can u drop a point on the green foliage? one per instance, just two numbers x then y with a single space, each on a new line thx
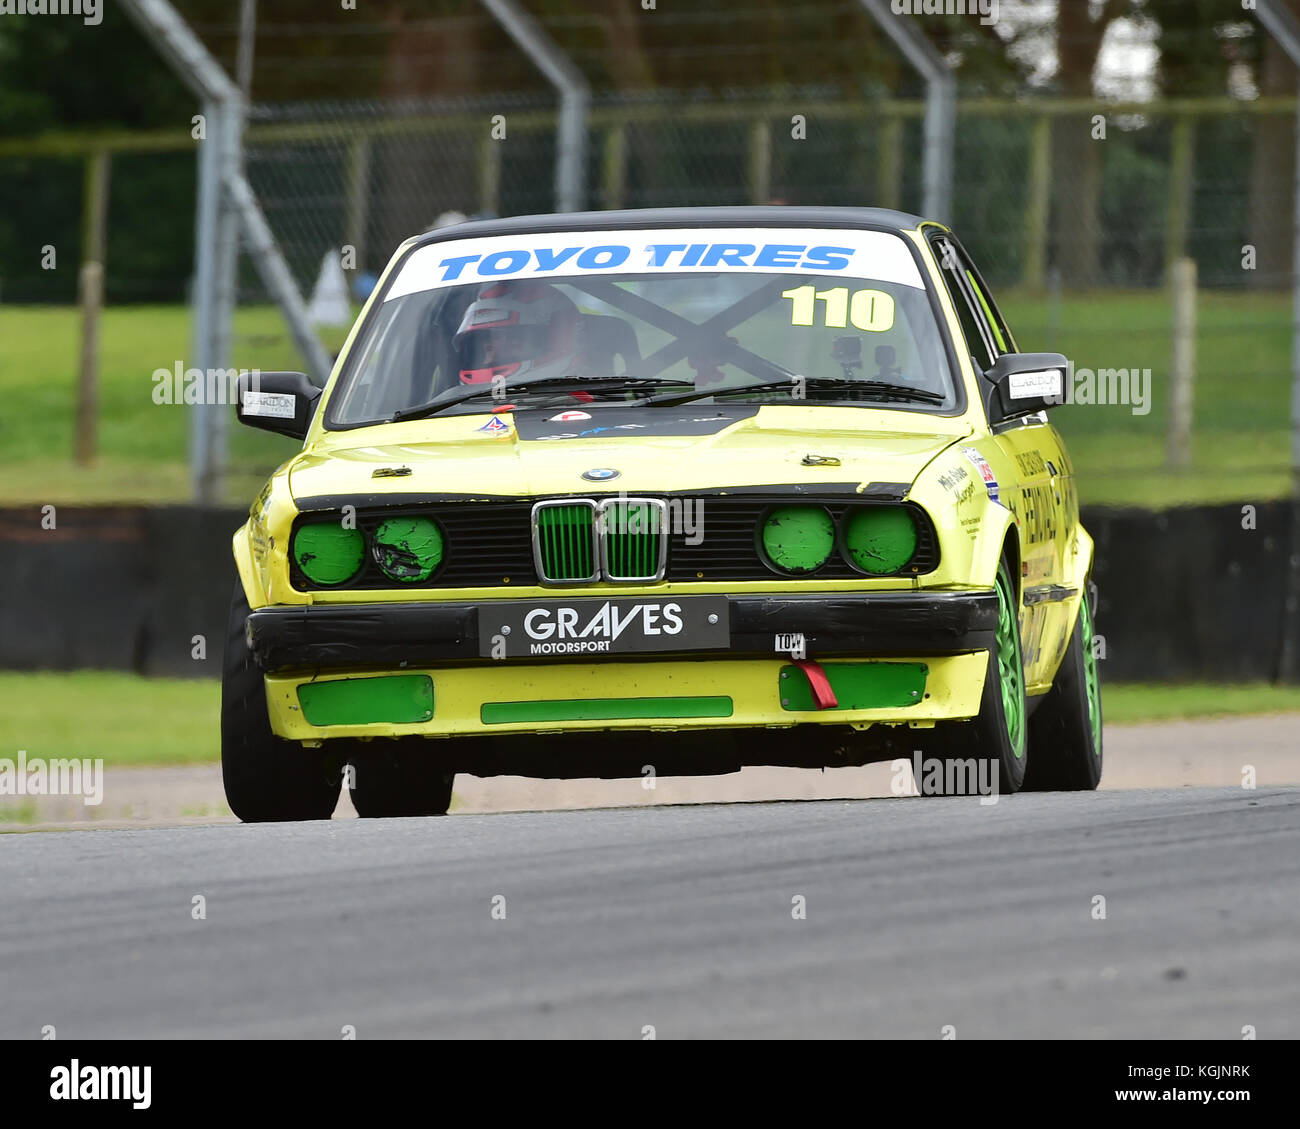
63 74
1195 44
1134 206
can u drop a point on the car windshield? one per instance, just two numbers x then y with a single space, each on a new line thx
811 316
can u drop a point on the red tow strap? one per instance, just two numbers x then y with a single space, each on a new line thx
822 693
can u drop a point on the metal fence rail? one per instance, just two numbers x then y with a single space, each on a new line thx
1173 177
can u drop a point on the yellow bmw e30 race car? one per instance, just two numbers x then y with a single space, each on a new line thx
676 491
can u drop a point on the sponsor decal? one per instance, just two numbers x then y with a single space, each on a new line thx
274 405
1036 385
875 255
565 416
595 627
791 643
1032 463
1039 513
952 478
616 421
981 464
496 426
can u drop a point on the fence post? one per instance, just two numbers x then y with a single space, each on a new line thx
90 289
613 177
1183 375
1038 209
489 175
225 298
760 162
889 178
357 210
1181 167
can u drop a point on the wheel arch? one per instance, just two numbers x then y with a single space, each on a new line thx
1011 554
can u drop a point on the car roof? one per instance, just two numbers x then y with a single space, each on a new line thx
754 216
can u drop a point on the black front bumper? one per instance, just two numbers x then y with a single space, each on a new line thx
877 624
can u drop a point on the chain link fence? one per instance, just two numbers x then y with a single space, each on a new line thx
1108 195
1037 186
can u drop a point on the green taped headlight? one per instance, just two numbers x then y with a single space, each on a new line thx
798 538
407 549
880 539
327 552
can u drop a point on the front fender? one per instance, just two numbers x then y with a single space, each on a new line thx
973 528
261 545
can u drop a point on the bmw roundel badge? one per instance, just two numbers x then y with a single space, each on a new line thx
600 474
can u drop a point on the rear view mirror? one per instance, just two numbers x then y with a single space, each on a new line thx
1025 383
283 402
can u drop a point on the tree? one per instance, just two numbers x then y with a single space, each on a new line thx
1272 172
1080 31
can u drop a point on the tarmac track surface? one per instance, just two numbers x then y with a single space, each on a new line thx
920 914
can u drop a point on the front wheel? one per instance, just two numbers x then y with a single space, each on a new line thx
267 779
1065 731
993 745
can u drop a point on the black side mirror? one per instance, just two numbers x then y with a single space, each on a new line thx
1020 384
283 402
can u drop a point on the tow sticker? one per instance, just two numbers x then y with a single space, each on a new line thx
981 464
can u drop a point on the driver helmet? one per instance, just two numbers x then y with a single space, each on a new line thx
517 329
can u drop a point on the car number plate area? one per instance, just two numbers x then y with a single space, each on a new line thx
620 625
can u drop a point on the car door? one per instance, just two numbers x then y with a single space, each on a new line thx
1042 500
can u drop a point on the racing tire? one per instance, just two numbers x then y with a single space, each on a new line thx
267 779
1066 729
401 777
996 741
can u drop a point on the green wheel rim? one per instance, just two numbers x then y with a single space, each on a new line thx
1011 671
1092 682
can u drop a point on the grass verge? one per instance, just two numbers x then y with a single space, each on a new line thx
123 718
1159 702
1240 437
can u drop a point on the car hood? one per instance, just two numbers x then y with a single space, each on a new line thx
535 453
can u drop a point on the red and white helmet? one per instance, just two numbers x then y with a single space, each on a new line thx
517 329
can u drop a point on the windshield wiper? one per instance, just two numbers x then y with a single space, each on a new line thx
554 383
832 383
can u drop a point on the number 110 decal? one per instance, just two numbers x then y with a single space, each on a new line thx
869 310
